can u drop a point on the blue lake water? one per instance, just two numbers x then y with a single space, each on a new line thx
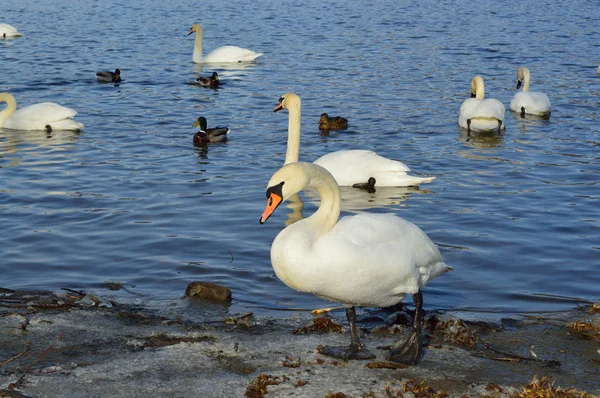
131 200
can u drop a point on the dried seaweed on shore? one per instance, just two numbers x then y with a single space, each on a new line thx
544 388
583 330
320 324
258 387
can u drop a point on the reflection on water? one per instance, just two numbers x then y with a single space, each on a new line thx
295 204
35 143
358 200
481 140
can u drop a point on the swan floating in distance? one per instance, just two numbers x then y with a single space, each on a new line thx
109 77
529 102
332 123
44 116
348 167
208 81
225 54
206 135
7 31
365 260
479 114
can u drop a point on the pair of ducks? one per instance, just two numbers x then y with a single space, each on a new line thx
485 115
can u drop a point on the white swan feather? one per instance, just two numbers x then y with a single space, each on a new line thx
371 260
529 102
225 54
7 30
37 116
348 167
480 114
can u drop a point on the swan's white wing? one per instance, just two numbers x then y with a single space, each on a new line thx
230 54
484 114
387 255
535 103
350 167
38 116
7 30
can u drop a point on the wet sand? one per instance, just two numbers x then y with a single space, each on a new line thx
84 346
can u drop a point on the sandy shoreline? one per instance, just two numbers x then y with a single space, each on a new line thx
74 347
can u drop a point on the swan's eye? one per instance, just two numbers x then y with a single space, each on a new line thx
280 100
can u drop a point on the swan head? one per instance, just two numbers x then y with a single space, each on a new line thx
287 181
287 101
522 74
201 121
195 28
477 87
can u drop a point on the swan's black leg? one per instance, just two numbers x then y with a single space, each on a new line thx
499 126
408 350
356 349
48 128
522 111
468 126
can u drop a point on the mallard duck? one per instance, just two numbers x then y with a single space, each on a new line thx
332 123
211 82
205 135
109 77
225 54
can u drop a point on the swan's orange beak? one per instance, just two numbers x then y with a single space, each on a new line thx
273 202
278 108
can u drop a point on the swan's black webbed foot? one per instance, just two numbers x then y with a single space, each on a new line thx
468 126
48 128
346 353
408 350
367 186
522 111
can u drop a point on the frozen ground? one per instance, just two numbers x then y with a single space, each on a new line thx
79 346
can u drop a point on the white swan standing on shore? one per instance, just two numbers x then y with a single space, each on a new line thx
44 116
529 102
348 167
225 54
7 31
366 260
479 114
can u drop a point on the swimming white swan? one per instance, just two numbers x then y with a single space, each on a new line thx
532 103
225 54
44 116
366 260
351 166
7 30
479 114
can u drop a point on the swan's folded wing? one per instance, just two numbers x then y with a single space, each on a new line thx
46 112
350 167
230 54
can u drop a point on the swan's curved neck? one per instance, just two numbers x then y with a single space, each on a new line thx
197 56
11 107
293 144
329 211
526 78
479 90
